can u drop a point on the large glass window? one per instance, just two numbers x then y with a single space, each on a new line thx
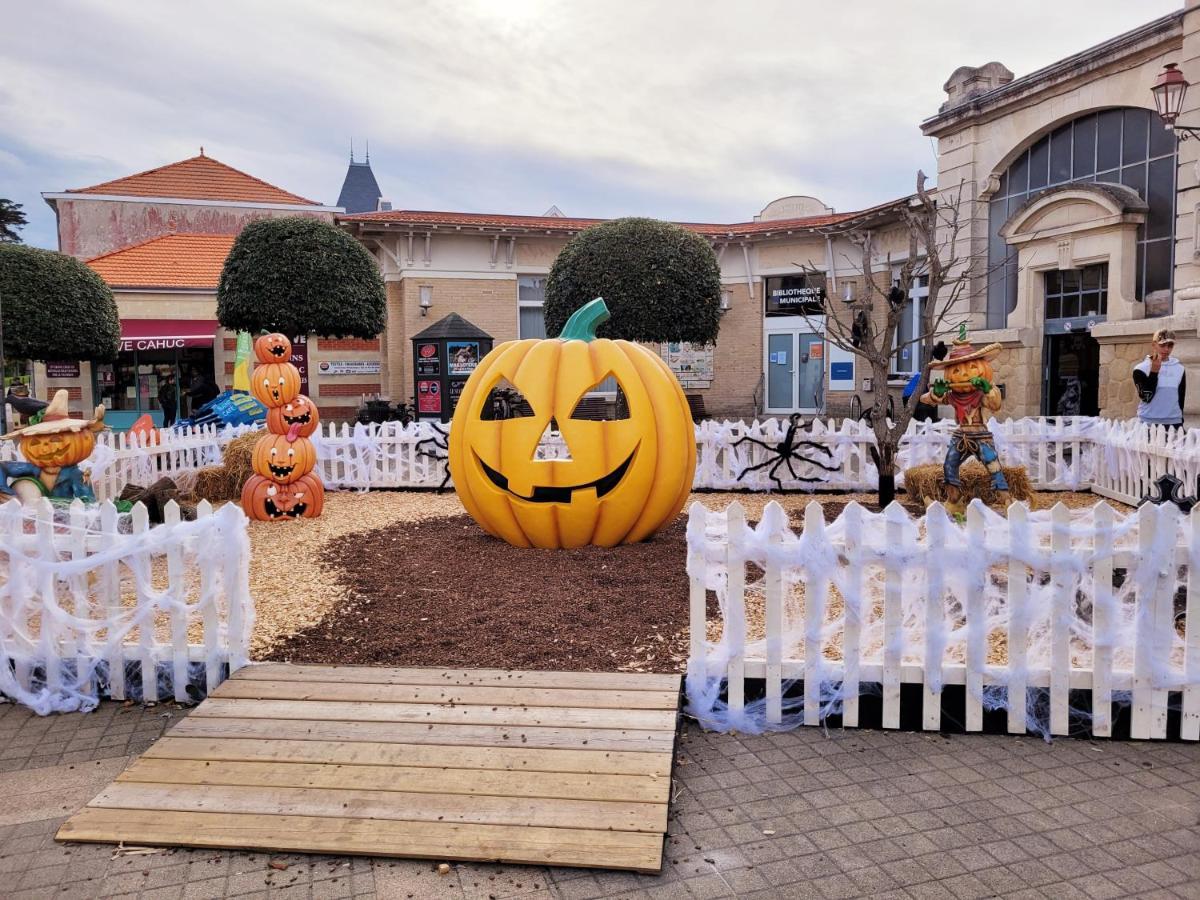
531 296
1073 293
908 330
1117 146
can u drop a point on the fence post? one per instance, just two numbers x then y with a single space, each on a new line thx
893 599
110 582
851 636
80 599
774 519
697 591
936 522
1062 612
1018 618
815 589
976 578
735 606
177 594
1189 726
1103 605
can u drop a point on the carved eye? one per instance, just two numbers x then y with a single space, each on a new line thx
604 402
273 451
504 401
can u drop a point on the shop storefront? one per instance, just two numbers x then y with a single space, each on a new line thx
160 361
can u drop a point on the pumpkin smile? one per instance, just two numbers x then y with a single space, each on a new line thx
280 471
550 494
302 419
274 512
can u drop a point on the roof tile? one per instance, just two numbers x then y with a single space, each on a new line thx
170 261
198 178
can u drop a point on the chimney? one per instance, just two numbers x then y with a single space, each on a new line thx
384 205
969 82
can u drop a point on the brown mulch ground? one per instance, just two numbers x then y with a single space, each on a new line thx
440 592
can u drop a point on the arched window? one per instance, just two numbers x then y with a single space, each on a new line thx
1121 146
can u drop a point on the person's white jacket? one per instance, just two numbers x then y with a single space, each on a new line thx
1161 393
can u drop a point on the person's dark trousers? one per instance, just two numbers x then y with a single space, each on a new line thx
168 417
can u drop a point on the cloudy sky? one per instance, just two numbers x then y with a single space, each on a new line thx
694 110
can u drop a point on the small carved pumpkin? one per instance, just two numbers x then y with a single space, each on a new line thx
959 374
268 501
273 348
281 460
275 384
300 413
625 479
58 449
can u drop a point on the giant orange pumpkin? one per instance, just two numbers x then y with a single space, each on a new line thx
625 479
275 384
281 460
273 348
300 414
266 500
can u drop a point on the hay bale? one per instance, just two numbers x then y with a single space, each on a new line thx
225 482
926 482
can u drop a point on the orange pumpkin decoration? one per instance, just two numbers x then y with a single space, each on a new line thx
275 384
281 460
267 501
273 348
300 413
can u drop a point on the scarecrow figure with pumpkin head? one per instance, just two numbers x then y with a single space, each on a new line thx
967 387
53 448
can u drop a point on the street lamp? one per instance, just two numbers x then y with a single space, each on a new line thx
1169 90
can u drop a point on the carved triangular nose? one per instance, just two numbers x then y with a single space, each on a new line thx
552 444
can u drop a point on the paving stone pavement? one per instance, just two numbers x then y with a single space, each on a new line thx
801 814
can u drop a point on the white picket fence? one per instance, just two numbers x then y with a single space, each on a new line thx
94 602
1117 459
1002 606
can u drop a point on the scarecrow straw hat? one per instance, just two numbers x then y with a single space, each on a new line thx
962 351
56 419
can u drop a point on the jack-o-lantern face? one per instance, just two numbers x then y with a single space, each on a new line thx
624 478
960 374
281 460
53 451
300 413
275 384
273 348
266 500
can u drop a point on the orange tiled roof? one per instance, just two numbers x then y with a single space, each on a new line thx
198 178
558 223
169 261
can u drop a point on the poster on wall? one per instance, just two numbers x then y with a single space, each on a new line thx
463 355
841 369
300 360
692 364
350 367
428 361
456 389
62 368
429 397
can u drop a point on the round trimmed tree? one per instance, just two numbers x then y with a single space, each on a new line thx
660 281
298 275
55 307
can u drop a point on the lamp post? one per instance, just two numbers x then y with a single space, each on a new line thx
1169 90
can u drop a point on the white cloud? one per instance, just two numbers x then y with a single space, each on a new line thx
721 106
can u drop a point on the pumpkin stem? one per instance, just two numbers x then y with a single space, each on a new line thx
584 321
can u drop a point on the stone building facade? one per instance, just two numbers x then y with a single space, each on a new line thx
1080 210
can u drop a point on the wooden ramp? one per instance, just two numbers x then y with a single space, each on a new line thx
545 768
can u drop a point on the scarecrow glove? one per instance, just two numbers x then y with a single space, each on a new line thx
939 388
982 383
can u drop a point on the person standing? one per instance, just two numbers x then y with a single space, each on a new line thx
1161 383
168 399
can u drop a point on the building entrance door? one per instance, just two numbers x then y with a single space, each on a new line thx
795 372
1072 375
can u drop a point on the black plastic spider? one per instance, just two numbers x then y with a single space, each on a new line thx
786 451
441 442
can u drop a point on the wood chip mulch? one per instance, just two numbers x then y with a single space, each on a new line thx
440 592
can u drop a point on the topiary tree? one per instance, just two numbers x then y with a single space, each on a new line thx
298 275
660 281
55 307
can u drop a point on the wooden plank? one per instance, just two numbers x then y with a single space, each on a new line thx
735 607
1062 613
526 812
936 522
438 714
634 851
352 753
1018 618
855 610
1139 724
697 592
893 598
411 733
1189 726
773 519
816 589
1102 621
238 689
406 779
976 579
609 681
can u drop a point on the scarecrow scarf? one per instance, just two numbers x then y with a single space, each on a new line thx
965 404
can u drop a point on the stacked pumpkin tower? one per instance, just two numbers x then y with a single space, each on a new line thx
284 485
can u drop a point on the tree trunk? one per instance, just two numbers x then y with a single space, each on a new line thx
886 463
